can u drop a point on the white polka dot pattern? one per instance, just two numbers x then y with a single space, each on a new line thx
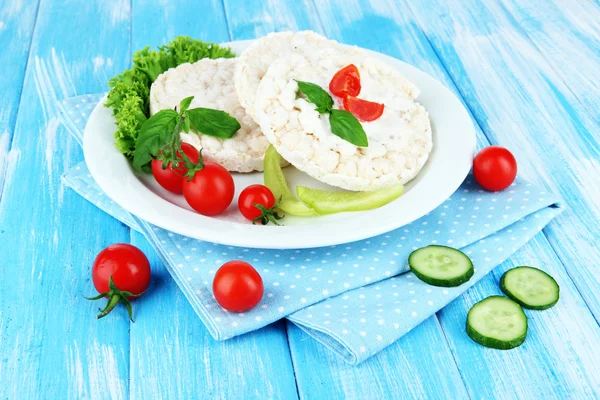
355 298
75 111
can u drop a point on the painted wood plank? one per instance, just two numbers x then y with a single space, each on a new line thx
16 28
320 373
418 366
50 343
172 353
250 19
141 307
567 33
522 104
556 359
394 32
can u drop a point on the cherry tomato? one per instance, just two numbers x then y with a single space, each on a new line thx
210 191
121 272
495 168
237 286
345 82
255 194
172 178
362 109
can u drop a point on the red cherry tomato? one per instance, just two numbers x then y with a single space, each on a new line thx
172 178
495 168
237 286
345 82
210 191
362 109
255 194
121 272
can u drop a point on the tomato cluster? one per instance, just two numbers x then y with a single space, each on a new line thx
345 84
209 188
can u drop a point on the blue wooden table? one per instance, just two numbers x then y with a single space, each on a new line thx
528 71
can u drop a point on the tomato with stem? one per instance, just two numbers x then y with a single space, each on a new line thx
208 188
257 203
172 178
121 272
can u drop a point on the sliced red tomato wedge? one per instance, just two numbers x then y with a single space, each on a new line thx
346 82
362 109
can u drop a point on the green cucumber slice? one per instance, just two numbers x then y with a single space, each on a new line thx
441 266
530 287
327 202
497 322
275 181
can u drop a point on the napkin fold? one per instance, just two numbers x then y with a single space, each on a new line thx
356 298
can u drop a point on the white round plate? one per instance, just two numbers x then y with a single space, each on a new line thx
447 167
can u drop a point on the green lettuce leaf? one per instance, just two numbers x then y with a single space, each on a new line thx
130 118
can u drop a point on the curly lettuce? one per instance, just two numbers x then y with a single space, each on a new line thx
129 95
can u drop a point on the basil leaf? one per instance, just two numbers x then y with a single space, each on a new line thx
186 125
155 132
346 126
185 104
213 122
316 95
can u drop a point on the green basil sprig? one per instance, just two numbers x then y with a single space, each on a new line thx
316 95
155 132
160 132
343 123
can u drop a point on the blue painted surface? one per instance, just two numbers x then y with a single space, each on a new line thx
529 76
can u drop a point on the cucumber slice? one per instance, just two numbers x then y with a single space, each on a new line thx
497 322
441 266
275 181
530 287
326 202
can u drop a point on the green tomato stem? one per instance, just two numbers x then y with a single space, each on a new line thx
115 296
112 303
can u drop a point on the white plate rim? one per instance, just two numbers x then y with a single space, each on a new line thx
106 163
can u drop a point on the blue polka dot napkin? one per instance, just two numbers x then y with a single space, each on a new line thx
356 298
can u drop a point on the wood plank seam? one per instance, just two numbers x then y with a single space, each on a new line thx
12 124
186 362
83 361
287 330
294 366
226 14
567 279
319 16
563 262
447 342
128 389
434 316
568 272
552 65
524 33
131 29
480 127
